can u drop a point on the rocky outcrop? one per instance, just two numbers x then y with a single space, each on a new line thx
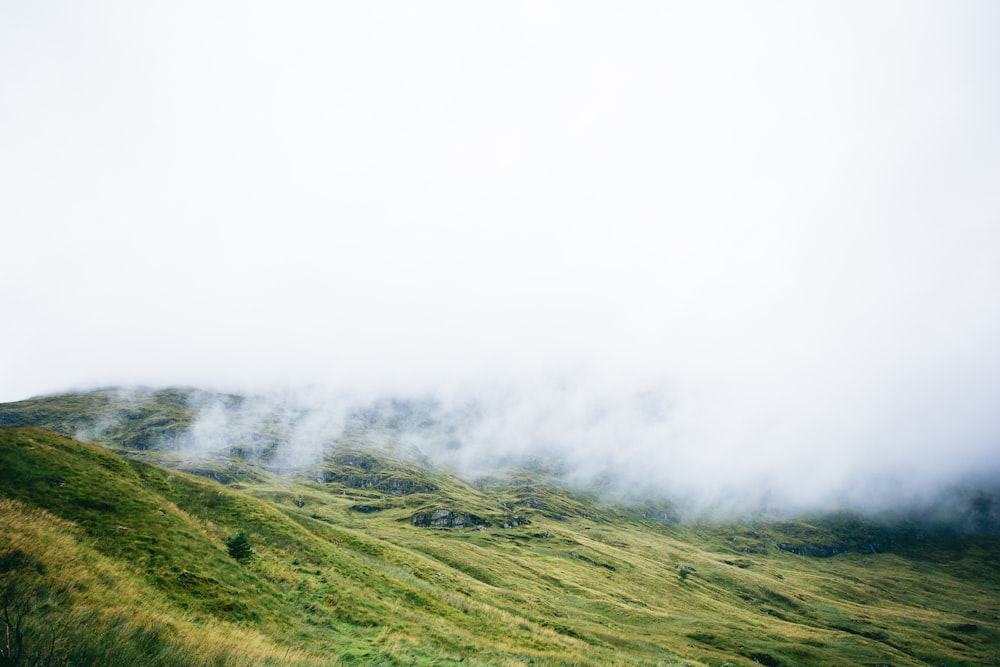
814 550
515 521
447 518
366 509
387 483
365 470
829 550
443 518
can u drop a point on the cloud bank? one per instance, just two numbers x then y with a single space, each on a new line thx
631 443
758 243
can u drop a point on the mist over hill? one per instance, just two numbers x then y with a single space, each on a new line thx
472 528
630 446
744 257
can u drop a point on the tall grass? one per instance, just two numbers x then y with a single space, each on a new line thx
94 612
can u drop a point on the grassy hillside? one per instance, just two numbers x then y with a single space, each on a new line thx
380 561
134 419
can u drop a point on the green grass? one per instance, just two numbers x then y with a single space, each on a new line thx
137 419
129 559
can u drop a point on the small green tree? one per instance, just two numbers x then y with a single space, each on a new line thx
239 547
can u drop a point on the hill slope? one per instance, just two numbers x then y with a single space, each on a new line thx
374 558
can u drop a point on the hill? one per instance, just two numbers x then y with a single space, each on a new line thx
373 555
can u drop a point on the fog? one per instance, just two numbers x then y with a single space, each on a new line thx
629 443
741 253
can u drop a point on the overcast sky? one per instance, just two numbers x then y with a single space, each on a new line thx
787 214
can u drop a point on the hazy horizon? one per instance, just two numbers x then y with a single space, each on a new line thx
736 242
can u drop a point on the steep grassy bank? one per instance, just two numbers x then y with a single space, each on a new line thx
129 557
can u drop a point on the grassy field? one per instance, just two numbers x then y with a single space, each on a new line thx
376 560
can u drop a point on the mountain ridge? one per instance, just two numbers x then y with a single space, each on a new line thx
515 569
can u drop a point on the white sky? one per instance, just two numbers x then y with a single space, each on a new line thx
789 212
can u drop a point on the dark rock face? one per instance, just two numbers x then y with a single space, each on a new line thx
366 509
515 521
365 470
814 550
386 483
447 519
830 550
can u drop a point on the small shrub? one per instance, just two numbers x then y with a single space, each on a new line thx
239 547
22 640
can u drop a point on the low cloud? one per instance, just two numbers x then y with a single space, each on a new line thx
741 258
703 451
